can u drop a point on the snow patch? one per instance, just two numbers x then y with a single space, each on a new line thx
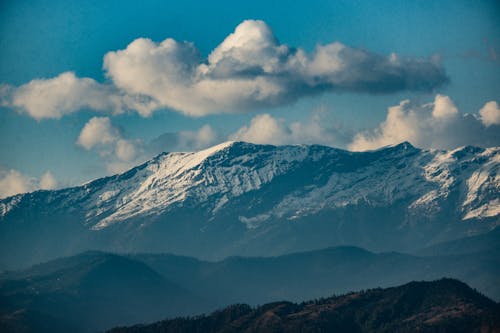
255 221
490 209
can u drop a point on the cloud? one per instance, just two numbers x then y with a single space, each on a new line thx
444 107
64 94
120 153
434 125
98 131
262 129
125 150
202 138
13 182
100 135
249 70
265 129
438 124
490 114
48 181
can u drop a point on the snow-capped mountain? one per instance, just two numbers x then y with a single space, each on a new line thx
239 198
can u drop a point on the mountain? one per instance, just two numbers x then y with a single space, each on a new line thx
244 199
89 292
312 274
93 291
489 241
440 306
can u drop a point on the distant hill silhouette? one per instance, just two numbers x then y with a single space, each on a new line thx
489 241
96 291
305 275
86 293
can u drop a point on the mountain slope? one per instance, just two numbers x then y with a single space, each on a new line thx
94 290
89 292
440 306
489 241
244 199
306 275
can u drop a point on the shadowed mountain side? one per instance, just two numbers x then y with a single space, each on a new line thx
97 290
486 242
441 306
243 199
89 292
301 276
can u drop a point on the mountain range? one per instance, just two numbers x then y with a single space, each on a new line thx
238 198
245 199
94 291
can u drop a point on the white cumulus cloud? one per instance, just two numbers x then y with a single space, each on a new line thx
265 129
490 114
249 70
444 107
101 135
98 131
13 182
434 125
66 93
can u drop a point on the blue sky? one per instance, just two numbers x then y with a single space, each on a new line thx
42 39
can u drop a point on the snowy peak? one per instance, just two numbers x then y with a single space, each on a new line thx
226 170
316 178
403 146
240 198
181 162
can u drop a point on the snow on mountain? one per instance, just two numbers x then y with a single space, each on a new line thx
222 171
260 187
173 178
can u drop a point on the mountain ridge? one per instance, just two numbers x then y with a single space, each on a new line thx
96 290
444 305
266 199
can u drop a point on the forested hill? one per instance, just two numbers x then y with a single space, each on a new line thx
444 305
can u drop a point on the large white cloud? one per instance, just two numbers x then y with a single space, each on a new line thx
13 182
61 95
434 125
66 93
249 70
